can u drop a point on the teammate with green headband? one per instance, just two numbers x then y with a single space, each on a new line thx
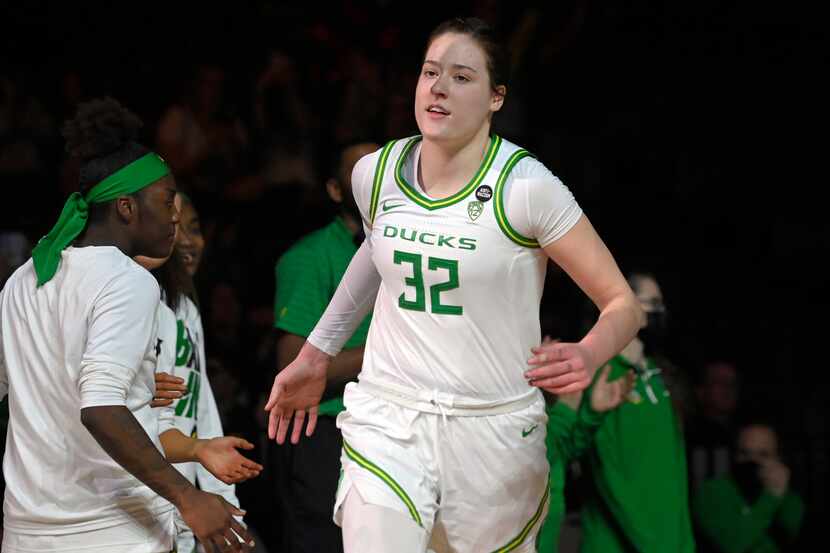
80 343
135 176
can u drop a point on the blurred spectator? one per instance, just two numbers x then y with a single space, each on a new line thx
200 137
225 319
752 509
570 431
28 144
363 98
711 433
26 130
638 496
283 128
14 251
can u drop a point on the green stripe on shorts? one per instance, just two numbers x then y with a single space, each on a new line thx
380 473
518 540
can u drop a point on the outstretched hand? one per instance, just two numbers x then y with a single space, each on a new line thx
221 458
296 392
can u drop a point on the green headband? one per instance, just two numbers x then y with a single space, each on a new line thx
129 179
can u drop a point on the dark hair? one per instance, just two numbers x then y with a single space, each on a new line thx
175 282
756 418
102 135
498 60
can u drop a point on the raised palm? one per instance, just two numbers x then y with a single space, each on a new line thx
607 395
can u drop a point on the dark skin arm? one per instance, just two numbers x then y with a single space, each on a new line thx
209 516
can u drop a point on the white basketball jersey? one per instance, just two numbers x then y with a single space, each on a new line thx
458 308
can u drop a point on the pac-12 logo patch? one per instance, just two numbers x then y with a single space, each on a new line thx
484 193
474 210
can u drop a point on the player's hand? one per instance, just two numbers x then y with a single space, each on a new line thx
210 518
775 476
221 458
608 395
296 391
560 367
168 389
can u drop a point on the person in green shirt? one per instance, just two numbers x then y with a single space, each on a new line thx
637 496
752 510
570 431
307 275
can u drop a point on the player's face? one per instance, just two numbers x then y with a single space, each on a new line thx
190 241
155 226
454 98
151 263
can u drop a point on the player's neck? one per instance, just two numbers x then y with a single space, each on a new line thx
444 169
100 234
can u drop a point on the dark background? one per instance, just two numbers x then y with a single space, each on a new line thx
692 133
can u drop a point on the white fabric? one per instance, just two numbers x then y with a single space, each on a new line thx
482 352
166 358
498 283
440 403
185 357
455 317
537 203
482 479
369 528
86 338
4 377
153 535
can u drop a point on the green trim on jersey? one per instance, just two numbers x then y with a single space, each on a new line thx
501 217
380 169
413 194
519 540
380 473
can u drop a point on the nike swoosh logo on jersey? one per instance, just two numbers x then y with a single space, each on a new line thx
526 433
386 207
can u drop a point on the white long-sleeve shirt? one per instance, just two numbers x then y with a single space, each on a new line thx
86 338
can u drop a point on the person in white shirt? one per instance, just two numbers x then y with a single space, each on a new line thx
444 434
78 348
182 384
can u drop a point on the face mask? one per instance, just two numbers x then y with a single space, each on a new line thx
654 333
746 478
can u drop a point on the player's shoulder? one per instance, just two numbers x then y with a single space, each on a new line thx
123 275
389 152
531 169
23 274
364 169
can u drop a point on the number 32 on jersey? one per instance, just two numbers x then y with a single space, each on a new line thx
416 281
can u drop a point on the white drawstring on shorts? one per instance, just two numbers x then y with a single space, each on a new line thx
436 401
